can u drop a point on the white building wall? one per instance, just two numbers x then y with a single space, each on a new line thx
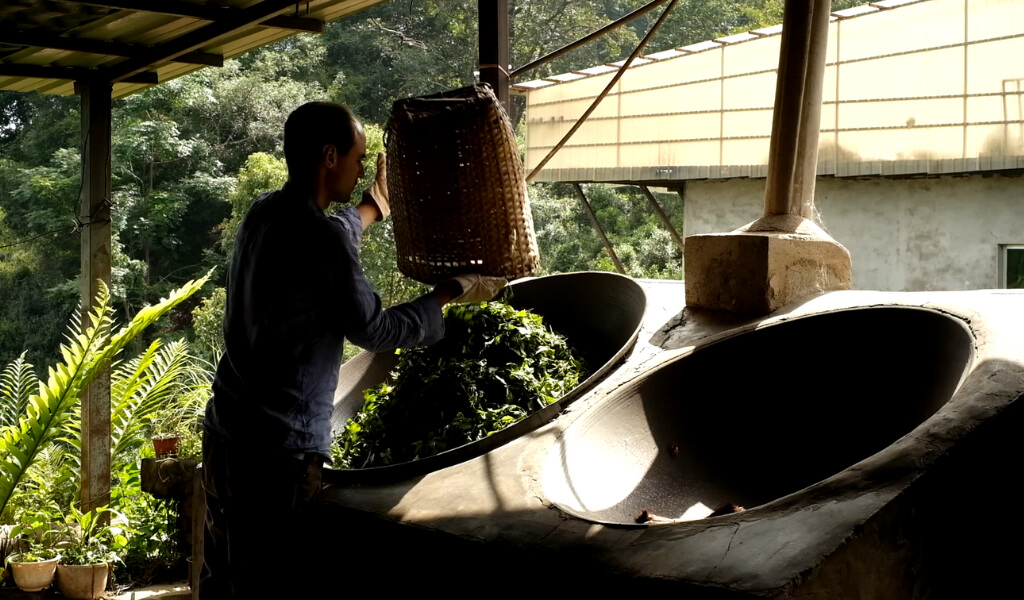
935 233
931 87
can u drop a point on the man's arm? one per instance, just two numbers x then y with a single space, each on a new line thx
360 313
367 213
375 205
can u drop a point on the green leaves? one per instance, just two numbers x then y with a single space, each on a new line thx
17 381
85 355
495 366
90 538
140 390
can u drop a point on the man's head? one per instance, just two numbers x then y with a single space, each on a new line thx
324 146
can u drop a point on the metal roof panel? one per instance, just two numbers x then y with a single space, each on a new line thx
150 27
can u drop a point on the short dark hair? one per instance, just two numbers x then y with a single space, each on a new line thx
312 126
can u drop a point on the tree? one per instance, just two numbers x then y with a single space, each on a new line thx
568 242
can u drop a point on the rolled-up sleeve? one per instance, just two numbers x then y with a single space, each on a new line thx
363 320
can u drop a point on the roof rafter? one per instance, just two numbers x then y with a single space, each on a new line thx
206 12
70 73
55 42
197 38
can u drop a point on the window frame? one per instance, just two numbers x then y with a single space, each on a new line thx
1004 262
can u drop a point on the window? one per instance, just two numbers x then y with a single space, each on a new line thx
1011 269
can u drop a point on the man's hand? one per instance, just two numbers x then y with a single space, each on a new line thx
378 192
478 288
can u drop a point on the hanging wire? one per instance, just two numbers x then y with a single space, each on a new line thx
79 224
600 97
68 229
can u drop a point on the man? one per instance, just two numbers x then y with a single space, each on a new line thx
295 292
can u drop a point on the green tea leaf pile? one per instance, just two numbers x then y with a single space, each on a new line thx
495 365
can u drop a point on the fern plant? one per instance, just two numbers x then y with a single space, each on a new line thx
16 384
86 353
139 390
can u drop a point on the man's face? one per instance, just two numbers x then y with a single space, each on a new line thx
349 168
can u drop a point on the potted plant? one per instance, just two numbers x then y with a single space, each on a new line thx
87 551
176 426
165 445
34 569
33 561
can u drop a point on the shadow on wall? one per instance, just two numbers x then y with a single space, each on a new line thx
828 149
1004 141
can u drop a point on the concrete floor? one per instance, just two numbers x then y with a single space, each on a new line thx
166 591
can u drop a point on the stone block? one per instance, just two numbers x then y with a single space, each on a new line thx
751 271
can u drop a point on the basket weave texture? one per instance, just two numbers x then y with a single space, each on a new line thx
458 193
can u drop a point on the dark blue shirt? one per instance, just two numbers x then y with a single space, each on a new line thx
295 292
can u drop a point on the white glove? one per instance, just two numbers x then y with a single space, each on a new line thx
378 192
478 288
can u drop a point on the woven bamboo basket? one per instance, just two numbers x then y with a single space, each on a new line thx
458 193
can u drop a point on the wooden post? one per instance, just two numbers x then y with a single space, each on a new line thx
793 153
94 212
598 228
494 52
198 530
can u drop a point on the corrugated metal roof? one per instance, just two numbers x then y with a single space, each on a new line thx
46 45
737 38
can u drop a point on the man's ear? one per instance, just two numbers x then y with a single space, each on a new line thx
330 156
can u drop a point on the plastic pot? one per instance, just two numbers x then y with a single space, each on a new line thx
167 445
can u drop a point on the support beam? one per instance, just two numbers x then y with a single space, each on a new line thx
295 23
643 10
175 8
208 12
614 80
598 228
59 42
661 215
69 73
94 212
494 54
784 256
796 124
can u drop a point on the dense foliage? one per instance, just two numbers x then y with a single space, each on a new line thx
495 365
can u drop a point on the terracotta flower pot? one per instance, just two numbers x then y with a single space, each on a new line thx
82 582
166 445
33 576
